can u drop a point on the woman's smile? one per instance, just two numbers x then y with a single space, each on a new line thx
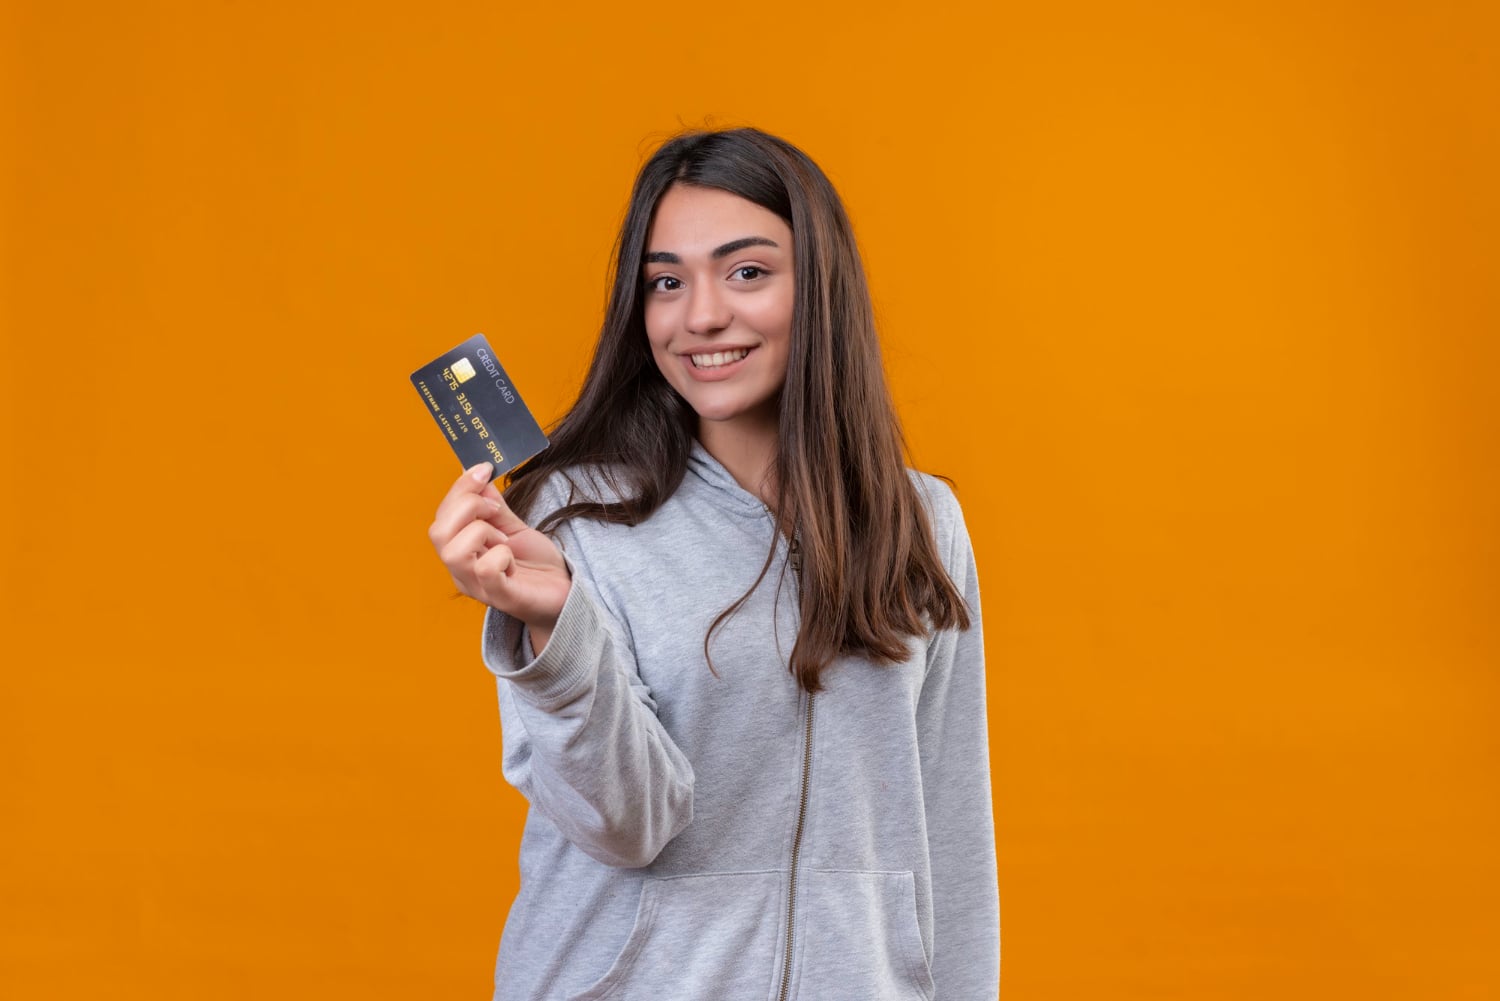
718 359
716 365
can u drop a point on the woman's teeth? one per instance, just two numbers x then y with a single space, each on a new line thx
718 358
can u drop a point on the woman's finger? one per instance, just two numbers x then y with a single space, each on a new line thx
505 519
459 510
492 575
472 541
471 481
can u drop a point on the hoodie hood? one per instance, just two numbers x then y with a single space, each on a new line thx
707 475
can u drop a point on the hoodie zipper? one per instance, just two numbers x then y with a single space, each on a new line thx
794 556
791 893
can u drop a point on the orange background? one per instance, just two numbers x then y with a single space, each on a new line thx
1197 304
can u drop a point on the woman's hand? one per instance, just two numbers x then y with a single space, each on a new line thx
494 557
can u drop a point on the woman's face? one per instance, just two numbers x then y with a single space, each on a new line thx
718 302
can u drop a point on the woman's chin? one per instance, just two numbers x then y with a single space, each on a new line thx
719 414
739 418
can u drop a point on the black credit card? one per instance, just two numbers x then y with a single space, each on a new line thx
477 407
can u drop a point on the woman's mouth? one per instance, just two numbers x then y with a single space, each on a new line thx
718 359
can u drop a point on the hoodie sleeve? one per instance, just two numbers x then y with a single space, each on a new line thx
582 740
952 734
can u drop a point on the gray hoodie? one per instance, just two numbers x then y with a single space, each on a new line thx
697 835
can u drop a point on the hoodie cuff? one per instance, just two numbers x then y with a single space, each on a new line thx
568 665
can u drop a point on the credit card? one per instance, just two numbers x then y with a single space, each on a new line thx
477 407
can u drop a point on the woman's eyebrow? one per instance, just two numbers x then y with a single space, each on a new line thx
667 257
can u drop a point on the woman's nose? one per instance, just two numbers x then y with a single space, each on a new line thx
708 309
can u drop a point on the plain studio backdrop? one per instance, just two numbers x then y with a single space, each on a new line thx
1196 303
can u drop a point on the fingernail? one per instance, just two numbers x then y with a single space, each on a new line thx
481 472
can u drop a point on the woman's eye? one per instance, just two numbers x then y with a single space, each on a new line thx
755 272
654 284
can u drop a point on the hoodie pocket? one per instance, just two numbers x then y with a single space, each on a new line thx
861 938
710 935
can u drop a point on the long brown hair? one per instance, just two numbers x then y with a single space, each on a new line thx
870 572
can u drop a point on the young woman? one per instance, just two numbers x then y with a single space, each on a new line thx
737 642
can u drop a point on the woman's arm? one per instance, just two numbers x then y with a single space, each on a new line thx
582 739
953 738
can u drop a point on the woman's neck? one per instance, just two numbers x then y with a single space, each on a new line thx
747 448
